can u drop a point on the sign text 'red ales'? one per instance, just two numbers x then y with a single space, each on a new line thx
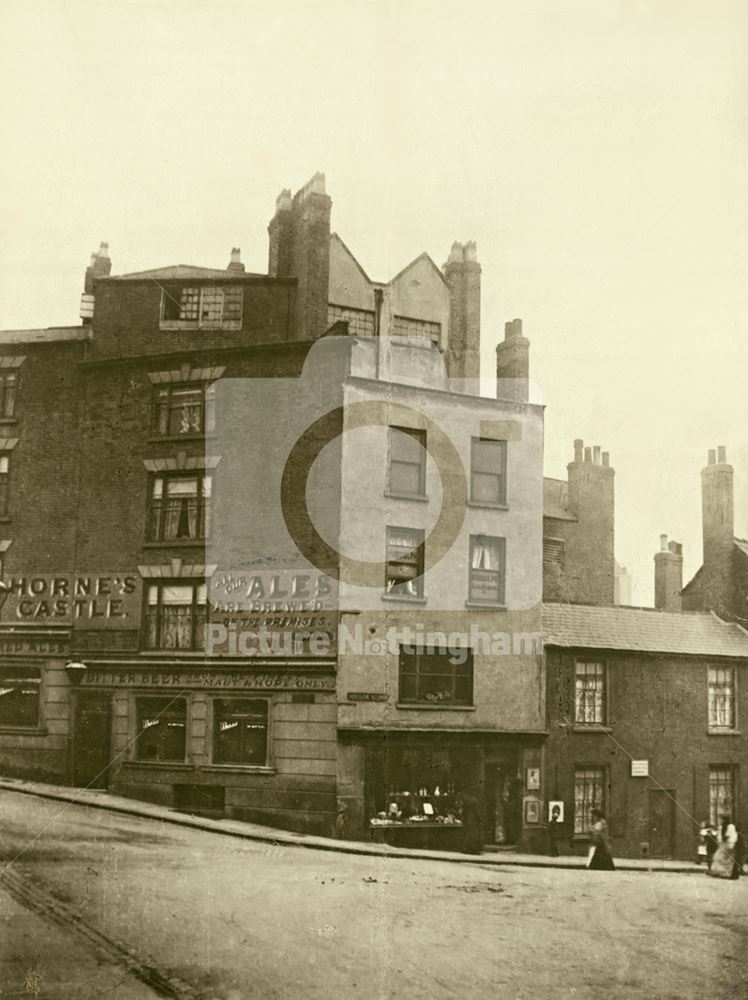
94 598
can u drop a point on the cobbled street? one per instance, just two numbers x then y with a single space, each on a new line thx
150 908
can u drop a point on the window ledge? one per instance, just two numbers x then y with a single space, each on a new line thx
433 707
418 497
195 543
485 605
23 731
596 728
240 768
723 732
6 421
5 519
172 764
196 324
403 599
489 504
175 438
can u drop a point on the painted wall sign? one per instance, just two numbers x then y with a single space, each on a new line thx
32 646
366 696
171 679
272 590
639 768
95 600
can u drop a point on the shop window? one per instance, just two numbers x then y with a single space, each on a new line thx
436 677
487 569
176 615
721 683
589 794
183 410
19 697
8 382
240 731
201 306
589 694
162 729
180 506
721 793
407 462
404 572
488 471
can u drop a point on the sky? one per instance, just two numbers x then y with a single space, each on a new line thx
595 150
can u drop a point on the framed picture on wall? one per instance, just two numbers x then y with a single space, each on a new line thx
532 779
532 811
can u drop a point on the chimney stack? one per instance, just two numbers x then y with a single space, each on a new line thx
100 267
235 263
668 575
462 272
513 363
300 248
590 547
718 524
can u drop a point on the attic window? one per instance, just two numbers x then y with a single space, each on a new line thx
185 307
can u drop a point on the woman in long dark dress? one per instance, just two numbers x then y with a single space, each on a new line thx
600 857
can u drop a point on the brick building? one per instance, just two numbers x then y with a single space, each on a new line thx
645 713
148 492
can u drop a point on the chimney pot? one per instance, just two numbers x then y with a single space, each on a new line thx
712 457
471 251
578 449
606 458
663 543
588 454
722 455
596 454
284 201
103 249
456 254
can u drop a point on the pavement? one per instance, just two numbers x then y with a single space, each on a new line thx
99 799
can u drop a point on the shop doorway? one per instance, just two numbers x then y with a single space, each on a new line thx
661 822
92 740
502 807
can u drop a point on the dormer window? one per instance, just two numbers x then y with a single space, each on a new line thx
201 307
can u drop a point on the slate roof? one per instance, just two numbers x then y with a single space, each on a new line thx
555 499
183 271
642 630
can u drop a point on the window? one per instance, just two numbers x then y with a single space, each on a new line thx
487 569
589 694
407 462
201 306
176 615
180 506
721 697
240 731
19 697
721 792
183 409
162 727
4 484
404 575
488 471
589 794
8 382
405 327
436 677
360 321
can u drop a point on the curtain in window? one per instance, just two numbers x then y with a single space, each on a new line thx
180 513
485 554
176 618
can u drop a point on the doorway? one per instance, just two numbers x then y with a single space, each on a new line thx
661 822
92 740
502 805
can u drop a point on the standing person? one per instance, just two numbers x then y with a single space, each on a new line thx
472 824
554 829
600 858
725 862
710 838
